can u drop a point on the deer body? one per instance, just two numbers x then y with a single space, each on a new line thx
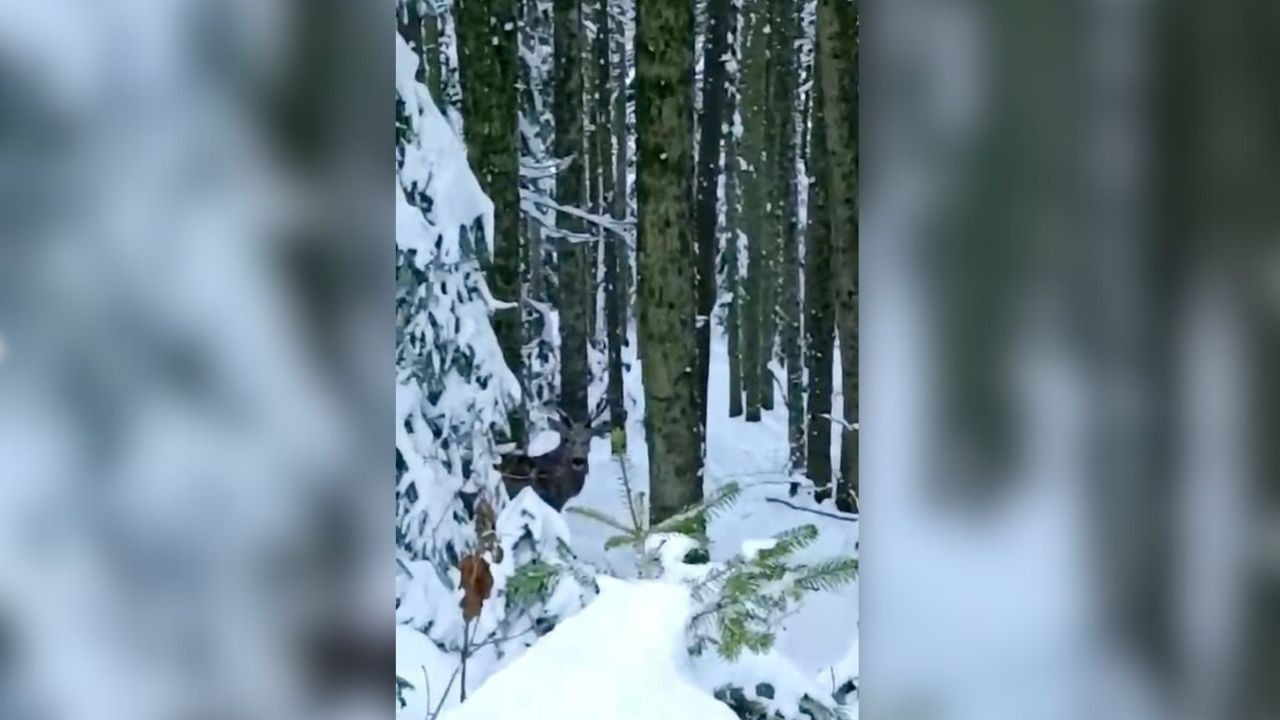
558 475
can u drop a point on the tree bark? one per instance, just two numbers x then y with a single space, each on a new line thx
819 306
570 192
753 110
488 69
838 45
785 31
711 124
611 182
732 214
664 130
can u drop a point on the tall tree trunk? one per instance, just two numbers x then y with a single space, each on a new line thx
819 306
732 213
754 192
707 210
570 192
601 166
606 114
622 186
785 32
664 116
838 63
488 69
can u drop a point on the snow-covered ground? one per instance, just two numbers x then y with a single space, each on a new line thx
618 659
624 655
754 455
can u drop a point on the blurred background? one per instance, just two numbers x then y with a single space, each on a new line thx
1069 456
1069 369
195 349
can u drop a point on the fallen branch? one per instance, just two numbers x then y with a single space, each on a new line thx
845 518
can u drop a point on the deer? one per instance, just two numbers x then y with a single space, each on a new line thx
560 474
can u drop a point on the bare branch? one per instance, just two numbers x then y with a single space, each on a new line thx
845 518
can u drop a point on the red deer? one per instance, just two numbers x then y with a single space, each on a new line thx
558 475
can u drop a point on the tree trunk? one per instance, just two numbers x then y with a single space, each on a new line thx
785 31
819 306
611 182
838 46
711 122
621 184
570 192
664 117
754 100
488 69
732 213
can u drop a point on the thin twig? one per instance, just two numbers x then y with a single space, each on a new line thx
845 518
440 706
465 641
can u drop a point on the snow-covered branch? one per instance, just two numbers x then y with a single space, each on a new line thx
621 227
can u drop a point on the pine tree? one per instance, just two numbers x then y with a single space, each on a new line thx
838 47
574 270
664 117
453 392
487 58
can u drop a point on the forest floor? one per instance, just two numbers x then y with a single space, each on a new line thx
825 627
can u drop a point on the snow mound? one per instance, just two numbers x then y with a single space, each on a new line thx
618 659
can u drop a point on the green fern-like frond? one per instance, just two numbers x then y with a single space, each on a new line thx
788 542
828 574
600 517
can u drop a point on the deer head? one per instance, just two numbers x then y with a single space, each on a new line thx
558 475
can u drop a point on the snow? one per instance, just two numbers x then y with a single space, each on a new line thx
755 456
618 659
429 669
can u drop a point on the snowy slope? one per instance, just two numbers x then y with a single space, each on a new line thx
618 659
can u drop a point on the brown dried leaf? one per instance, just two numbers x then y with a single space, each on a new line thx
476 584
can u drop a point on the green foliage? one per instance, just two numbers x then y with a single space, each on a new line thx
744 597
531 583
635 530
751 593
